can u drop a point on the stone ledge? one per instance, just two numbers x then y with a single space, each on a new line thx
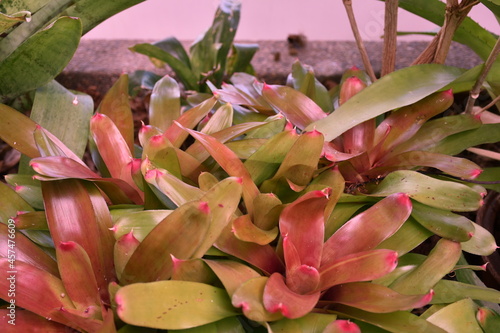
98 63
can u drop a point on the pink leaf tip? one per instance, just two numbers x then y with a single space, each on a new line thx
67 246
448 92
475 173
98 116
354 68
239 180
204 208
404 199
314 133
19 188
129 238
156 139
346 326
281 308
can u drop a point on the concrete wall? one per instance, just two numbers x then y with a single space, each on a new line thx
265 20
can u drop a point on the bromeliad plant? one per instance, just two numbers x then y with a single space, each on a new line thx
259 209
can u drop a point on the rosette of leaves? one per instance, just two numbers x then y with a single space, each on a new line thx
230 217
213 57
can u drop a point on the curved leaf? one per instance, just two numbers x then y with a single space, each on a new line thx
279 298
374 297
369 228
297 107
430 191
171 304
397 89
179 235
41 57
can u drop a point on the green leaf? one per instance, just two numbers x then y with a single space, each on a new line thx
93 12
11 203
310 323
178 235
457 317
116 106
304 81
455 144
429 191
165 103
176 134
229 325
448 291
223 200
232 274
443 223
397 89
481 243
267 159
139 223
440 262
8 21
41 57
374 297
409 236
174 47
182 71
172 304
231 164
399 321
241 56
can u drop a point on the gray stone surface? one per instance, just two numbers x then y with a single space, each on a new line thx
97 63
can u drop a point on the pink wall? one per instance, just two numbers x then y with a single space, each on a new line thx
265 20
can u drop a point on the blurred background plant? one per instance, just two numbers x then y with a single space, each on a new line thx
257 208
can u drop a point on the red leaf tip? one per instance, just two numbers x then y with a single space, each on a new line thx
67 246
156 139
18 188
314 133
98 116
448 92
403 199
129 238
354 68
204 208
239 180
281 308
38 127
265 86
475 173
347 326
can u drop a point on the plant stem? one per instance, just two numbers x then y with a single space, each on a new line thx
474 93
437 50
390 36
359 41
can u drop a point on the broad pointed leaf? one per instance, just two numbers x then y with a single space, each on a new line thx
297 107
116 106
165 104
369 228
279 298
374 297
388 93
172 304
362 266
430 191
179 234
